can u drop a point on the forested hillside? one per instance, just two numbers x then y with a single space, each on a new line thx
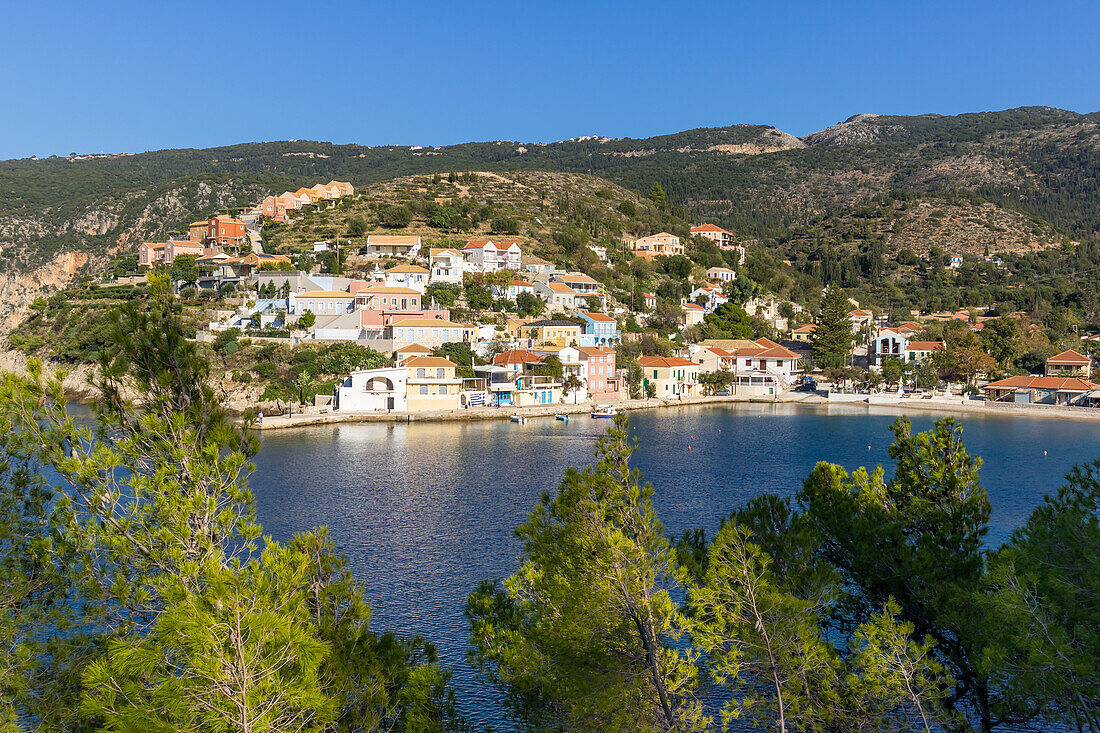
1015 181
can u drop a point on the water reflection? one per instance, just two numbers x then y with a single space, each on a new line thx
424 511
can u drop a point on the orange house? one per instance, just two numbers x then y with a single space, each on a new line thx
220 231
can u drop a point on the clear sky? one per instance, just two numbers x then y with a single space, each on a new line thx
133 76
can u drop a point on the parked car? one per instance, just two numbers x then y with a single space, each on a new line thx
808 385
722 393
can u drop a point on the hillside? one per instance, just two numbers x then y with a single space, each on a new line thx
536 205
754 179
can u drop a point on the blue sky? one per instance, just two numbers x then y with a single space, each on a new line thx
134 76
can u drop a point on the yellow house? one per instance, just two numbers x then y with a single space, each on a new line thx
670 376
554 332
432 384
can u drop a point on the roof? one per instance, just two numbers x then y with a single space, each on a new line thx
414 348
521 284
154 245
479 244
808 328
424 361
602 317
729 344
860 312
1069 356
387 290
534 260
324 294
437 322
694 307
649 295
576 278
409 268
709 228
1064 384
594 350
664 361
440 250
516 356
393 239
560 288
552 322
910 325
924 345
767 352
719 269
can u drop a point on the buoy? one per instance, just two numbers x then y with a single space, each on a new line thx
689 447
1044 453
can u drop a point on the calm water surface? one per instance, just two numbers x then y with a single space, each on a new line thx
424 511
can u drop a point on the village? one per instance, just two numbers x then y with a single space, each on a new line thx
560 342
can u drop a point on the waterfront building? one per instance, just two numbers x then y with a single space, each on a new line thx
671 376
370 390
446 265
432 384
1040 390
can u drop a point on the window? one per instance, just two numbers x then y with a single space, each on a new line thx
423 389
420 373
442 389
439 373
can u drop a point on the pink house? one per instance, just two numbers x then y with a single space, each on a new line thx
603 382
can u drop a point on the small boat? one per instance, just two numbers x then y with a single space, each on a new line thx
563 418
604 411
519 418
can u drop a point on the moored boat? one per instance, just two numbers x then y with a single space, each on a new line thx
604 411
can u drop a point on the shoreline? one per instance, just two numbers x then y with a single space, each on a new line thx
957 406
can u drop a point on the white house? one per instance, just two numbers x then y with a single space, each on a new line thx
513 290
560 295
447 266
321 302
723 274
392 245
483 255
367 390
408 276
712 297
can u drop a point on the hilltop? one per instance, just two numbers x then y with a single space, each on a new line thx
541 206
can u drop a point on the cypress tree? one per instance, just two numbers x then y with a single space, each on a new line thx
832 337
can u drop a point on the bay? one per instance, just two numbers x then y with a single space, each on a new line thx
424 511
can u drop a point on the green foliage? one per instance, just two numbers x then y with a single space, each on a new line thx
478 297
135 590
727 321
581 637
915 540
306 321
1040 609
397 217
832 337
529 304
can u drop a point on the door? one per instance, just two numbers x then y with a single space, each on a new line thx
389 403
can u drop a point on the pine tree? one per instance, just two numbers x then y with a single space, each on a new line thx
582 636
657 194
832 338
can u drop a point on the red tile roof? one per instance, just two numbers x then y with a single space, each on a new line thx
516 356
1070 384
664 361
709 228
598 316
1069 356
924 345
